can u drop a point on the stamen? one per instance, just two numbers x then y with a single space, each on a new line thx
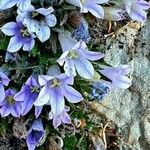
34 89
10 100
55 82
24 32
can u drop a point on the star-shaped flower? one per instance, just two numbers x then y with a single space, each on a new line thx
9 105
21 37
76 57
55 89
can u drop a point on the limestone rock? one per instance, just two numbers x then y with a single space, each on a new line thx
130 109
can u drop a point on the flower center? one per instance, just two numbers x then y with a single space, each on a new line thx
55 82
37 16
10 100
34 89
24 32
72 54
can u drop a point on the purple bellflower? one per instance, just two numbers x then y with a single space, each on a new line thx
21 36
38 21
4 81
117 75
28 95
55 89
91 6
136 9
35 134
5 4
63 117
76 57
9 105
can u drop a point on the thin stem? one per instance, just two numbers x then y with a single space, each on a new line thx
21 68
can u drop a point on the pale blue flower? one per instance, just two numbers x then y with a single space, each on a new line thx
54 91
76 57
38 20
91 6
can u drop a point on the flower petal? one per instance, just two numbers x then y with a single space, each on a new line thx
5 4
9 28
44 96
66 119
28 102
54 71
4 78
66 41
14 45
31 82
38 110
122 82
44 11
71 94
5 111
16 109
28 45
57 101
2 91
66 79
43 79
56 121
90 55
84 68
21 96
95 9
62 58
43 33
51 20
69 68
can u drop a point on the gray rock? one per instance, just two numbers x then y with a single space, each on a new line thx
130 109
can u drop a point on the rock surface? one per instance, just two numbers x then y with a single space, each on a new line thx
130 109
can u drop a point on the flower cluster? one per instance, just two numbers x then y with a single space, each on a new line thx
56 88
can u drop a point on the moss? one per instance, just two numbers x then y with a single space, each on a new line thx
3 126
69 142
4 41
